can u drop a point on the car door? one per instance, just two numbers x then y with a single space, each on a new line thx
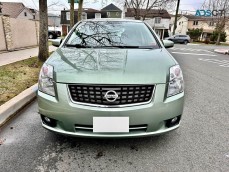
182 38
176 39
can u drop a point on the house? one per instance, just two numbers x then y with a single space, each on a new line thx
87 13
208 24
54 22
172 21
112 11
19 10
159 20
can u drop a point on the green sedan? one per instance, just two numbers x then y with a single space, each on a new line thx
111 78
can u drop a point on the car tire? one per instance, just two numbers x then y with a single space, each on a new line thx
185 42
51 36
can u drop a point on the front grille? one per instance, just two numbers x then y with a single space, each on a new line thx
111 95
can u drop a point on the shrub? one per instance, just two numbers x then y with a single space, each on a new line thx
195 33
215 34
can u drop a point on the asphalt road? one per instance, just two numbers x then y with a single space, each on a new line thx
200 144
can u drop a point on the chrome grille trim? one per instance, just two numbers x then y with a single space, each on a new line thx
99 93
90 127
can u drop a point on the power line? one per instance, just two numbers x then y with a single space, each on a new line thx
35 4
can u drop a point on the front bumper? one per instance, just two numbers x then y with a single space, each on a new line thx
68 114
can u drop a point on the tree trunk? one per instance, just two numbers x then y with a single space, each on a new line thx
43 31
80 8
218 39
72 14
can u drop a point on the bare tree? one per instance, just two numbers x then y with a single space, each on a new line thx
43 31
142 8
80 8
72 11
221 10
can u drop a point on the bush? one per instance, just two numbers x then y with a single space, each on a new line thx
195 34
215 34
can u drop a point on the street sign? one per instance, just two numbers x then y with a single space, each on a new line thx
75 1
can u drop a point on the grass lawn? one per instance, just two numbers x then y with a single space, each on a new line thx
17 77
49 43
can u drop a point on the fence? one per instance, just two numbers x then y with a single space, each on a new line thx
17 33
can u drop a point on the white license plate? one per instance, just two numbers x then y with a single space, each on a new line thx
111 124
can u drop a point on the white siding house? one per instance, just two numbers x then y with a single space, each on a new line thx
159 20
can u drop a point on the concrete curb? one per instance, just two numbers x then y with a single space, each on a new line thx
221 51
10 108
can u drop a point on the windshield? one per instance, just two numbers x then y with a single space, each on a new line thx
112 34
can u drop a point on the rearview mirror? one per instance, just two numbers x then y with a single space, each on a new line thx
56 42
168 44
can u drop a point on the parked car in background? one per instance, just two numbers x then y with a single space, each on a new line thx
179 39
111 78
53 34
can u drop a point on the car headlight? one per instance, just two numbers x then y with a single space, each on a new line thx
176 81
46 83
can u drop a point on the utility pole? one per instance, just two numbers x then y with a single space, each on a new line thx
72 14
176 16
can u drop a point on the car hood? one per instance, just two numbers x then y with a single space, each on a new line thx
111 65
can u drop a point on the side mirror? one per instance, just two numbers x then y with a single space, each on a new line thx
56 42
168 44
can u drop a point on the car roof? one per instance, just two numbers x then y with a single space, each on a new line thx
114 19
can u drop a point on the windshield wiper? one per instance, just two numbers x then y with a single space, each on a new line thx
109 46
77 45
116 46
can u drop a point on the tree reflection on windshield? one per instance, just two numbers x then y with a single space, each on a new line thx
111 34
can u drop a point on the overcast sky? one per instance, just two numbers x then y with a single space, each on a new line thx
189 5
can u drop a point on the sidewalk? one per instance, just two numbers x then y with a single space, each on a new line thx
222 51
11 57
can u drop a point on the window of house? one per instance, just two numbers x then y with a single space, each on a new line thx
117 14
34 17
179 23
25 14
158 20
195 22
67 15
211 23
108 14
